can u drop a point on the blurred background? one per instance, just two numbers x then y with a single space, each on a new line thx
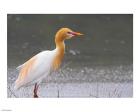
102 57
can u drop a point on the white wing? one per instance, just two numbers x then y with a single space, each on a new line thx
35 69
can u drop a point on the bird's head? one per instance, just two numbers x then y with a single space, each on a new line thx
66 33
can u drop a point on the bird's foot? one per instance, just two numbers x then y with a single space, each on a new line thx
35 96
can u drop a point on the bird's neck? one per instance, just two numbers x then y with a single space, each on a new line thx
60 47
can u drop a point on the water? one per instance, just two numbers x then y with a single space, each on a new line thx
104 54
74 90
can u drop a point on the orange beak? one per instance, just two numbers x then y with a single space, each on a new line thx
76 33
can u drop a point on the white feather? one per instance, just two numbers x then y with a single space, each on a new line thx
41 68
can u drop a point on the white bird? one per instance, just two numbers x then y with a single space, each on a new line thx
44 63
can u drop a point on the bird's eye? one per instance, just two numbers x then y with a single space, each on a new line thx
69 32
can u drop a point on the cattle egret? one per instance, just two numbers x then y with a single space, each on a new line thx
44 63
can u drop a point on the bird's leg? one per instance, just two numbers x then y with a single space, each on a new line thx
35 90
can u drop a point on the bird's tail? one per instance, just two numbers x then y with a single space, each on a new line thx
17 85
